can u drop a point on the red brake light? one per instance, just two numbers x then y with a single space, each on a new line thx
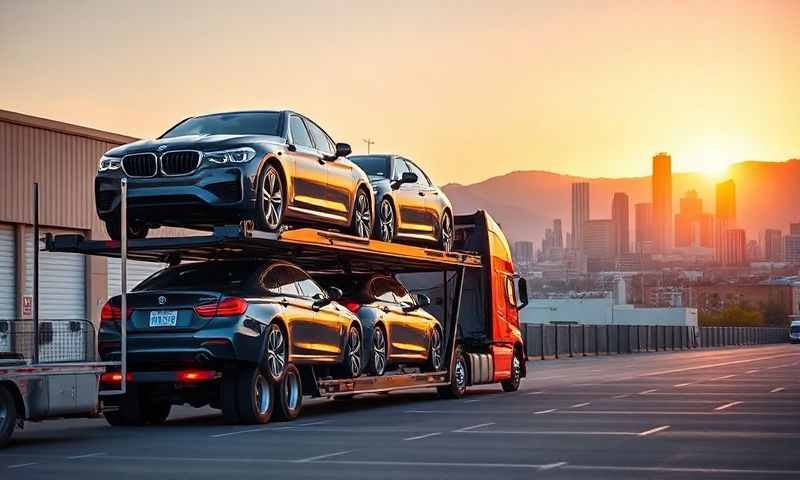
352 306
227 307
196 375
113 313
114 377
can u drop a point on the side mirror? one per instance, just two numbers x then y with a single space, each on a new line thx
343 150
334 293
522 288
423 300
408 177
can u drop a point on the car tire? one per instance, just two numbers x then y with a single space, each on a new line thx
512 384
361 225
276 353
130 412
458 377
378 352
386 223
435 350
156 412
255 395
228 398
289 401
136 230
353 353
271 199
8 415
446 232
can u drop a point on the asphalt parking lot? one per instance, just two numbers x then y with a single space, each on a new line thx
725 413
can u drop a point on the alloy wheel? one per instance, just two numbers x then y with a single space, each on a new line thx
262 393
292 390
447 232
272 198
354 351
516 370
436 349
386 231
276 351
379 351
461 373
363 215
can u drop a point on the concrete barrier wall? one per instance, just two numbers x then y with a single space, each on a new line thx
556 341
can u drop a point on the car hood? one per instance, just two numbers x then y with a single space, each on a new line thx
203 143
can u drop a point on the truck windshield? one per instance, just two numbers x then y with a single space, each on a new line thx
795 329
224 276
373 165
242 123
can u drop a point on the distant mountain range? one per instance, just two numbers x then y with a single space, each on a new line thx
526 202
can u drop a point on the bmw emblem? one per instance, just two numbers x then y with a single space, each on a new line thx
161 148
162 300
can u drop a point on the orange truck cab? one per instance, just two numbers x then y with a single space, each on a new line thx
488 332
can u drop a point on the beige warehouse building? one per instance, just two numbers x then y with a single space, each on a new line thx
63 159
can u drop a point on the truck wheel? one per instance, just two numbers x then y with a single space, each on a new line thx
512 384
227 394
255 396
458 378
8 416
290 395
130 412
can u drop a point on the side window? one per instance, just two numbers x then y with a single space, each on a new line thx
401 293
398 168
282 280
381 290
309 288
421 178
299 132
321 140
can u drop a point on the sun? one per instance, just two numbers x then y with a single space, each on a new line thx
713 161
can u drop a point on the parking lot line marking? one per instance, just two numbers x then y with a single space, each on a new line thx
623 468
471 401
752 371
473 427
534 393
551 466
542 412
624 395
727 405
88 455
713 365
321 457
722 377
581 405
421 411
314 423
650 412
653 430
252 430
552 432
20 465
648 391
776 390
420 437
679 385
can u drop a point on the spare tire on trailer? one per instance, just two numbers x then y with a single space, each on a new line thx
458 377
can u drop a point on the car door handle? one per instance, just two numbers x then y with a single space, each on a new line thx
321 161
421 194
385 309
284 302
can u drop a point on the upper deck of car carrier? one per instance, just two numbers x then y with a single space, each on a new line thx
310 248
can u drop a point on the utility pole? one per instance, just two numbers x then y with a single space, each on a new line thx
369 143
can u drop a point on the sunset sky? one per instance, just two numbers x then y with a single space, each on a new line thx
468 89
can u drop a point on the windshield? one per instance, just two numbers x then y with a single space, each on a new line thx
243 123
795 328
224 276
373 165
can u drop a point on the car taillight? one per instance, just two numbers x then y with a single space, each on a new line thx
188 376
227 307
352 306
114 377
113 313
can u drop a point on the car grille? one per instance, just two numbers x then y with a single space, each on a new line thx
179 163
139 165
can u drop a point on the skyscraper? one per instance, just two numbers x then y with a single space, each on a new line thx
735 247
644 227
621 218
773 245
662 202
725 218
599 239
558 237
693 228
580 212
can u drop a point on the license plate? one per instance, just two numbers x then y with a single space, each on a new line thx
164 318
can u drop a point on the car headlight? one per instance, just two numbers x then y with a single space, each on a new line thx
108 163
236 155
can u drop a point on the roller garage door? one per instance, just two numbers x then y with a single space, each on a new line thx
8 291
65 334
137 272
